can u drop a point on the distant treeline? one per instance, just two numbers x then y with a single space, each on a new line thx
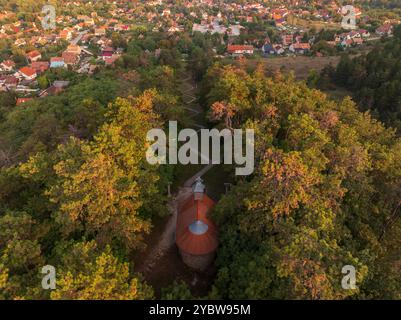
374 78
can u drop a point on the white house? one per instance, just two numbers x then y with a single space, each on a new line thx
239 49
27 73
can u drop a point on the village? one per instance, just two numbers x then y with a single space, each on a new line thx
84 43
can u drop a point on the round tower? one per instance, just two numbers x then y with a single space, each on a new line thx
196 234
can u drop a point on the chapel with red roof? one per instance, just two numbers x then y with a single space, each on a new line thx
196 234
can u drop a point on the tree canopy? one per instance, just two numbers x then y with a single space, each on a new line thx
324 194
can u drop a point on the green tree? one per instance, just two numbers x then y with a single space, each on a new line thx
86 273
43 82
324 194
177 291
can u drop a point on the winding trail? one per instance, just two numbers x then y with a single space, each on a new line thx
167 237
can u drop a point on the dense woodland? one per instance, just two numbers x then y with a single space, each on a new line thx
326 193
374 79
76 190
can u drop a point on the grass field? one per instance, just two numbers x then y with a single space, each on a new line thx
300 65
309 24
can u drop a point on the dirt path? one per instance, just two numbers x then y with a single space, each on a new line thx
167 237
166 240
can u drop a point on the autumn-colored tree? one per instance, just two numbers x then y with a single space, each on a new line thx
87 273
222 111
105 188
324 194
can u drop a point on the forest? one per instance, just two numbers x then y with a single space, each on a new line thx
374 79
77 192
325 193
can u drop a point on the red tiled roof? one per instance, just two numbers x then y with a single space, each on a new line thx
33 54
189 212
56 59
70 57
385 28
64 33
27 71
111 60
233 48
40 66
301 46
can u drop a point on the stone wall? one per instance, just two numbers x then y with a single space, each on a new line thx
197 262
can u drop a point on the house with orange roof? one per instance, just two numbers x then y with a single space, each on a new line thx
33 56
40 66
239 49
70 58
65 34
300 48
111 60
27 73
74 48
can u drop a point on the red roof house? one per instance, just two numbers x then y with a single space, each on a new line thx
34 56
65 34
8 65
300 47
239 49
70 58
111 60
385 29
28 73
107 53
57 62
40 66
